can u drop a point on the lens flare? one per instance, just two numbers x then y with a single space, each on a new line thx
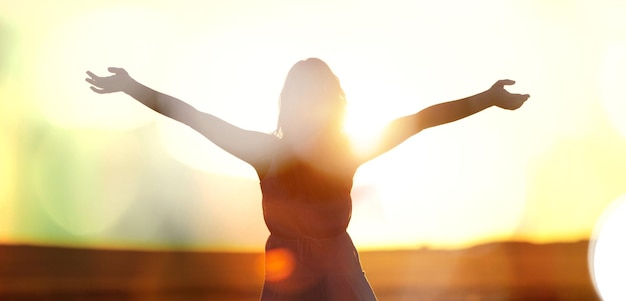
279 264
84 182
607 252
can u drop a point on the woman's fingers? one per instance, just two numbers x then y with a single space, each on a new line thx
92 78
96 83
116 70
99 91
504 82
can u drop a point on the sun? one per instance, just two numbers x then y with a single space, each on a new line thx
364 126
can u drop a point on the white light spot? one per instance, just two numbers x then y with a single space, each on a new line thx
607 253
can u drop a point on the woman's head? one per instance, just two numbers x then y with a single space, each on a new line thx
311 100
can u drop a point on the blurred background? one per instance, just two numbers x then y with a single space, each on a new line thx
100 171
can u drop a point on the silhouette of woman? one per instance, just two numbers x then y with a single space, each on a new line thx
306 169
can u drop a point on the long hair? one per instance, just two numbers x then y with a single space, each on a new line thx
310 84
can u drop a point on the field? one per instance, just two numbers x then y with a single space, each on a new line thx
496 271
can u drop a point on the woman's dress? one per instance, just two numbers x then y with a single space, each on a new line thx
309 255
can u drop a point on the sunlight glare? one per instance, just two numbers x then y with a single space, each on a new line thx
364 127
63 96
238 88
612 80
425 196
194 150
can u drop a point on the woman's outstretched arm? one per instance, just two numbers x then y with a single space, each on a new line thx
402 128
249 146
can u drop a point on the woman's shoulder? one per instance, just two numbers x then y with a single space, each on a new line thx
266 155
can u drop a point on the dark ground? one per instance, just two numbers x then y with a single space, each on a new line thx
496 271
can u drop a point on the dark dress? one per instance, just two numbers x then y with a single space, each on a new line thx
307 211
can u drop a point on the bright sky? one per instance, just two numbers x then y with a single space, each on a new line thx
85 169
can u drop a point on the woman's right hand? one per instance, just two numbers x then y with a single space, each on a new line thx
119 81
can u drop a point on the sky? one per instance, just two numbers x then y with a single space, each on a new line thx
93 170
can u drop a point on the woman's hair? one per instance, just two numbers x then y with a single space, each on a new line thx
309 84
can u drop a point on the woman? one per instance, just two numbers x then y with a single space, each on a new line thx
305 170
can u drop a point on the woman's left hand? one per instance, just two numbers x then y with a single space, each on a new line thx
503 99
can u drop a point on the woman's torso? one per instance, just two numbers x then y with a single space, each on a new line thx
307 208
306 198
